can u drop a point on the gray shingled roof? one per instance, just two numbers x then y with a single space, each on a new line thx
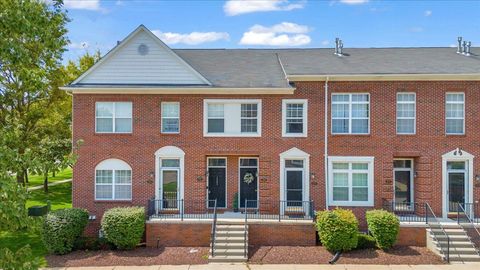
261 68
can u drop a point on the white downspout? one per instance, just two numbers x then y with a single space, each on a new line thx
326 143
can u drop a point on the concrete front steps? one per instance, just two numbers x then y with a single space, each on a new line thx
230 241
461 248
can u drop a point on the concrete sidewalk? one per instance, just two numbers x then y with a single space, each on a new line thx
217 266
50 184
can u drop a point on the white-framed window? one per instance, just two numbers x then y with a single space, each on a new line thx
294 117
232 117
113 180
406 113
455 113
350 113
350 181
170 117
113 117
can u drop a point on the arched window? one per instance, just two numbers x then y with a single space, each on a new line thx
113 180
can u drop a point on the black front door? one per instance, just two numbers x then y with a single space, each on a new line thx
248 187
216 186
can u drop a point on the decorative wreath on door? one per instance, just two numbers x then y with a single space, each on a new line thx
248 178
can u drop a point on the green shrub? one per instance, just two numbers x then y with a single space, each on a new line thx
337 229
384 227
124 226
62 227
366 241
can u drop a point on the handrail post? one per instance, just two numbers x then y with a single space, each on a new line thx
279 211
182 208
426 213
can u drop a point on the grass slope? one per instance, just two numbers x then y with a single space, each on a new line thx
37 180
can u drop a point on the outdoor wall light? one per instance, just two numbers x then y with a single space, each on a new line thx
199 178
415 174
152 174
477 178
312 175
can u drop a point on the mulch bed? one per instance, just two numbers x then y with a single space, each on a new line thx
319 255
258 255
139 256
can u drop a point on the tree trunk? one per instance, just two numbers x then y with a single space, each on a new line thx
21 178
45 182
26 176
53 174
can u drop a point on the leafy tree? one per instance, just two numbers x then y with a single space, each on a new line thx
52 156
33 39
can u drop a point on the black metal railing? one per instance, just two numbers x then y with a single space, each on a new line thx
214 228
464 219
473 211
180 209
406 211
245 245
437 230
279 210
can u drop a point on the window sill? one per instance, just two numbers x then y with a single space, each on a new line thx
113 133
112 201
232 135
351 204
350 134
456 135
170 133
294 135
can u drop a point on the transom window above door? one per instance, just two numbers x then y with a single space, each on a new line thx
294 117
350 113
232 118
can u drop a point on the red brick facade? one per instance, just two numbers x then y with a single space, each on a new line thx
138 148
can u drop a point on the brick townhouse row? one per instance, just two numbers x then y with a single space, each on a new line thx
274 128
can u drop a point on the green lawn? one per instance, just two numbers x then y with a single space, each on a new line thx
60 196
37 180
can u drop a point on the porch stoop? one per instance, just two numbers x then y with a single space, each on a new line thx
230 242
461 248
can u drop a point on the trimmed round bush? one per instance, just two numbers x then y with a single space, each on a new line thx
62 227
337 229
384 226
124 226
366 241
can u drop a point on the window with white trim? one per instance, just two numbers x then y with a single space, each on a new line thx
113 180
455 113
170 117
232 118
113 117
294 117
350 113
406 113
351 181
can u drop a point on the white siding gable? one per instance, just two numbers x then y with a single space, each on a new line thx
126 65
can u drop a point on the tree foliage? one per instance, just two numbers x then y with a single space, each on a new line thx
33 35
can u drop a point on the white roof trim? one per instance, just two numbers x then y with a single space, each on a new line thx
125 41
178 90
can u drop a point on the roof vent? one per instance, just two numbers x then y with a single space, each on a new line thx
463 47
143 49
338 47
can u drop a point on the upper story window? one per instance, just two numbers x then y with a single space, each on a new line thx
350 113
294 117
232 118
455 113
113 117
406 113
170 117
113 180
351 181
